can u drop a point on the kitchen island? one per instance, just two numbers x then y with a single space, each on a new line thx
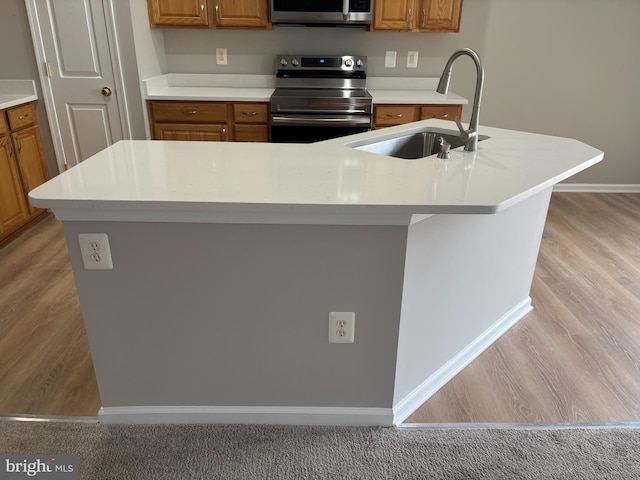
228 259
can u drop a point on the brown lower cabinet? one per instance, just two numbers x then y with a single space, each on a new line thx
209 121
23 167
390 115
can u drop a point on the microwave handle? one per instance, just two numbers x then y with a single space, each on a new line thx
345 9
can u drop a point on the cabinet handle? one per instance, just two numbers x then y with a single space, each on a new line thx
217 14
409 17
395 115
190 112
8 144
423 22
445 115
224 134
251 114
17 140
22 117
202 12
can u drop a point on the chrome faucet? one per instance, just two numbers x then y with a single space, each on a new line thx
469 136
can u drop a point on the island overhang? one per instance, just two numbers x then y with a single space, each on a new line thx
323 183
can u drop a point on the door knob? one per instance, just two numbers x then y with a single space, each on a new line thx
106 91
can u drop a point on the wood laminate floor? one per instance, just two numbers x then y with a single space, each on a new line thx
575 358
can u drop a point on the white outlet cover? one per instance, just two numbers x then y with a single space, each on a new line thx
342 326
412 59
95 250
221 56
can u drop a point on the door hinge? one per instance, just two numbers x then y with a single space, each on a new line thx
47 68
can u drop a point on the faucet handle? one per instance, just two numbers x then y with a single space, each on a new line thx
464 134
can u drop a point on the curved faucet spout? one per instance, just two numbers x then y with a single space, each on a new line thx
443 87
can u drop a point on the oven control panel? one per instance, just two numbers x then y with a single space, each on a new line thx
321 63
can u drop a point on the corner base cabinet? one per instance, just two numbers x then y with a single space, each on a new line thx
22 168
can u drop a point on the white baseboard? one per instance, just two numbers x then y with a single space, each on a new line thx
435 382
598 187
335 416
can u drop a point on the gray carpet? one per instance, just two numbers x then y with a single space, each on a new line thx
262 452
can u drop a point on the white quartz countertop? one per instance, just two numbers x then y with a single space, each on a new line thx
17 92
258 88
325 182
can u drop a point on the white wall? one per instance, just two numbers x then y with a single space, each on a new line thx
567 68
561 67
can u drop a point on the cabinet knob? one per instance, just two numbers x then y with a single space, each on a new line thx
106 91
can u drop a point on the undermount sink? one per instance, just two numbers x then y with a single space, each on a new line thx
413 145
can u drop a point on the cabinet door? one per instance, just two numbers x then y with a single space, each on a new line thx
252 133
190 132
443 112
440 15
393 15
13 208
179 13
241 13
4 126
30 158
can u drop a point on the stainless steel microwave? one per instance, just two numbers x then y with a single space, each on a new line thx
324 12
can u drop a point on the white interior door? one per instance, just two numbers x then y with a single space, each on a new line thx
72 42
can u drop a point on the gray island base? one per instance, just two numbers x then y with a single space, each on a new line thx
216 310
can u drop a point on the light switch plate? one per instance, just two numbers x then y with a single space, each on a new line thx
390 59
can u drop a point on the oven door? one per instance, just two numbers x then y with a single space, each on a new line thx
304 128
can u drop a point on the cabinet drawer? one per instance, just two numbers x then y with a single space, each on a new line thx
3 122
21 116
252 133
443 112
250 112
395 114
189 112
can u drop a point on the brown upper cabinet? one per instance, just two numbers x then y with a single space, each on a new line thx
209 13
417 15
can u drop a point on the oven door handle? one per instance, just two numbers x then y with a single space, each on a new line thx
319 120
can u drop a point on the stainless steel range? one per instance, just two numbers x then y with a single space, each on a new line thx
319 97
